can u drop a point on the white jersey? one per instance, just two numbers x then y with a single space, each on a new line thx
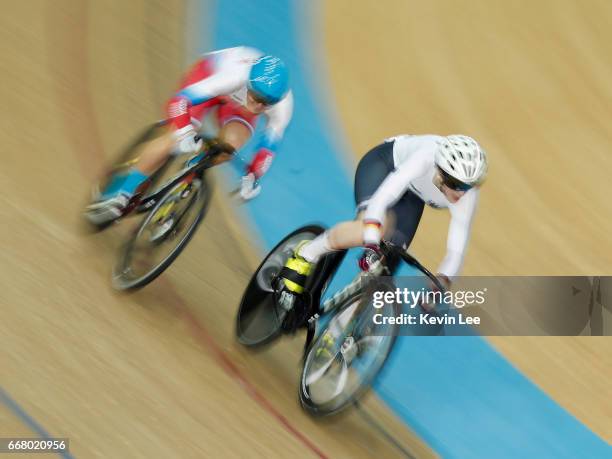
231 73
413 157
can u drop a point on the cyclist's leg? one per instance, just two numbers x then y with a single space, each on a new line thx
237 127
372 170
399 227
234 133
156 152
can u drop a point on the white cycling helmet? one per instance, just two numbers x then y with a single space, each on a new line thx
462 158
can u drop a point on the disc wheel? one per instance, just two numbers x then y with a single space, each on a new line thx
260 317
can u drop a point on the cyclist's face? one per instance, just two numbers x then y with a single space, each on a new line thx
451 194
255 105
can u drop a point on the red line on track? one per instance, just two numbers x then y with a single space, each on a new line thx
202 335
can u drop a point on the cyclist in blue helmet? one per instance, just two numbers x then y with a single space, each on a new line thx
269 80
242 83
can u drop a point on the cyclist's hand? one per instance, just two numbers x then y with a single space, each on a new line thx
249 188
444 280
370 255
186 141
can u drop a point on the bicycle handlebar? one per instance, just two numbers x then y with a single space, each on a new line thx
389 247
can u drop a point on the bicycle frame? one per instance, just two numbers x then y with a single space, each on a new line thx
328 270
149 200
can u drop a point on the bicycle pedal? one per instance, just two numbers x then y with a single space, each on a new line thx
162 231
349 349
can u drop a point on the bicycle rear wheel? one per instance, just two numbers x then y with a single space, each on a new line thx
347 355
162 234
260 319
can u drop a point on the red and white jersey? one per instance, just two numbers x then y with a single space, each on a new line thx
413 157
230 73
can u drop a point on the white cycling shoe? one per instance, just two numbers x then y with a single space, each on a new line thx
107 210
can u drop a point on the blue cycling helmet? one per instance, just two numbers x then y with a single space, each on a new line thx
269 79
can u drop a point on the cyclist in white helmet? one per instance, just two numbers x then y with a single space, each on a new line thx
399 177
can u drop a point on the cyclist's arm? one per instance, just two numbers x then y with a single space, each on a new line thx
462 214
395 185
215 85
279 117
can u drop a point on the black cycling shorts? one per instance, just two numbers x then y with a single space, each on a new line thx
373 168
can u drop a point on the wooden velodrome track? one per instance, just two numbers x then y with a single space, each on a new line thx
157 374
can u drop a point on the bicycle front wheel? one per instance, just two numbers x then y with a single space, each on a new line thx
162 234
347 355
